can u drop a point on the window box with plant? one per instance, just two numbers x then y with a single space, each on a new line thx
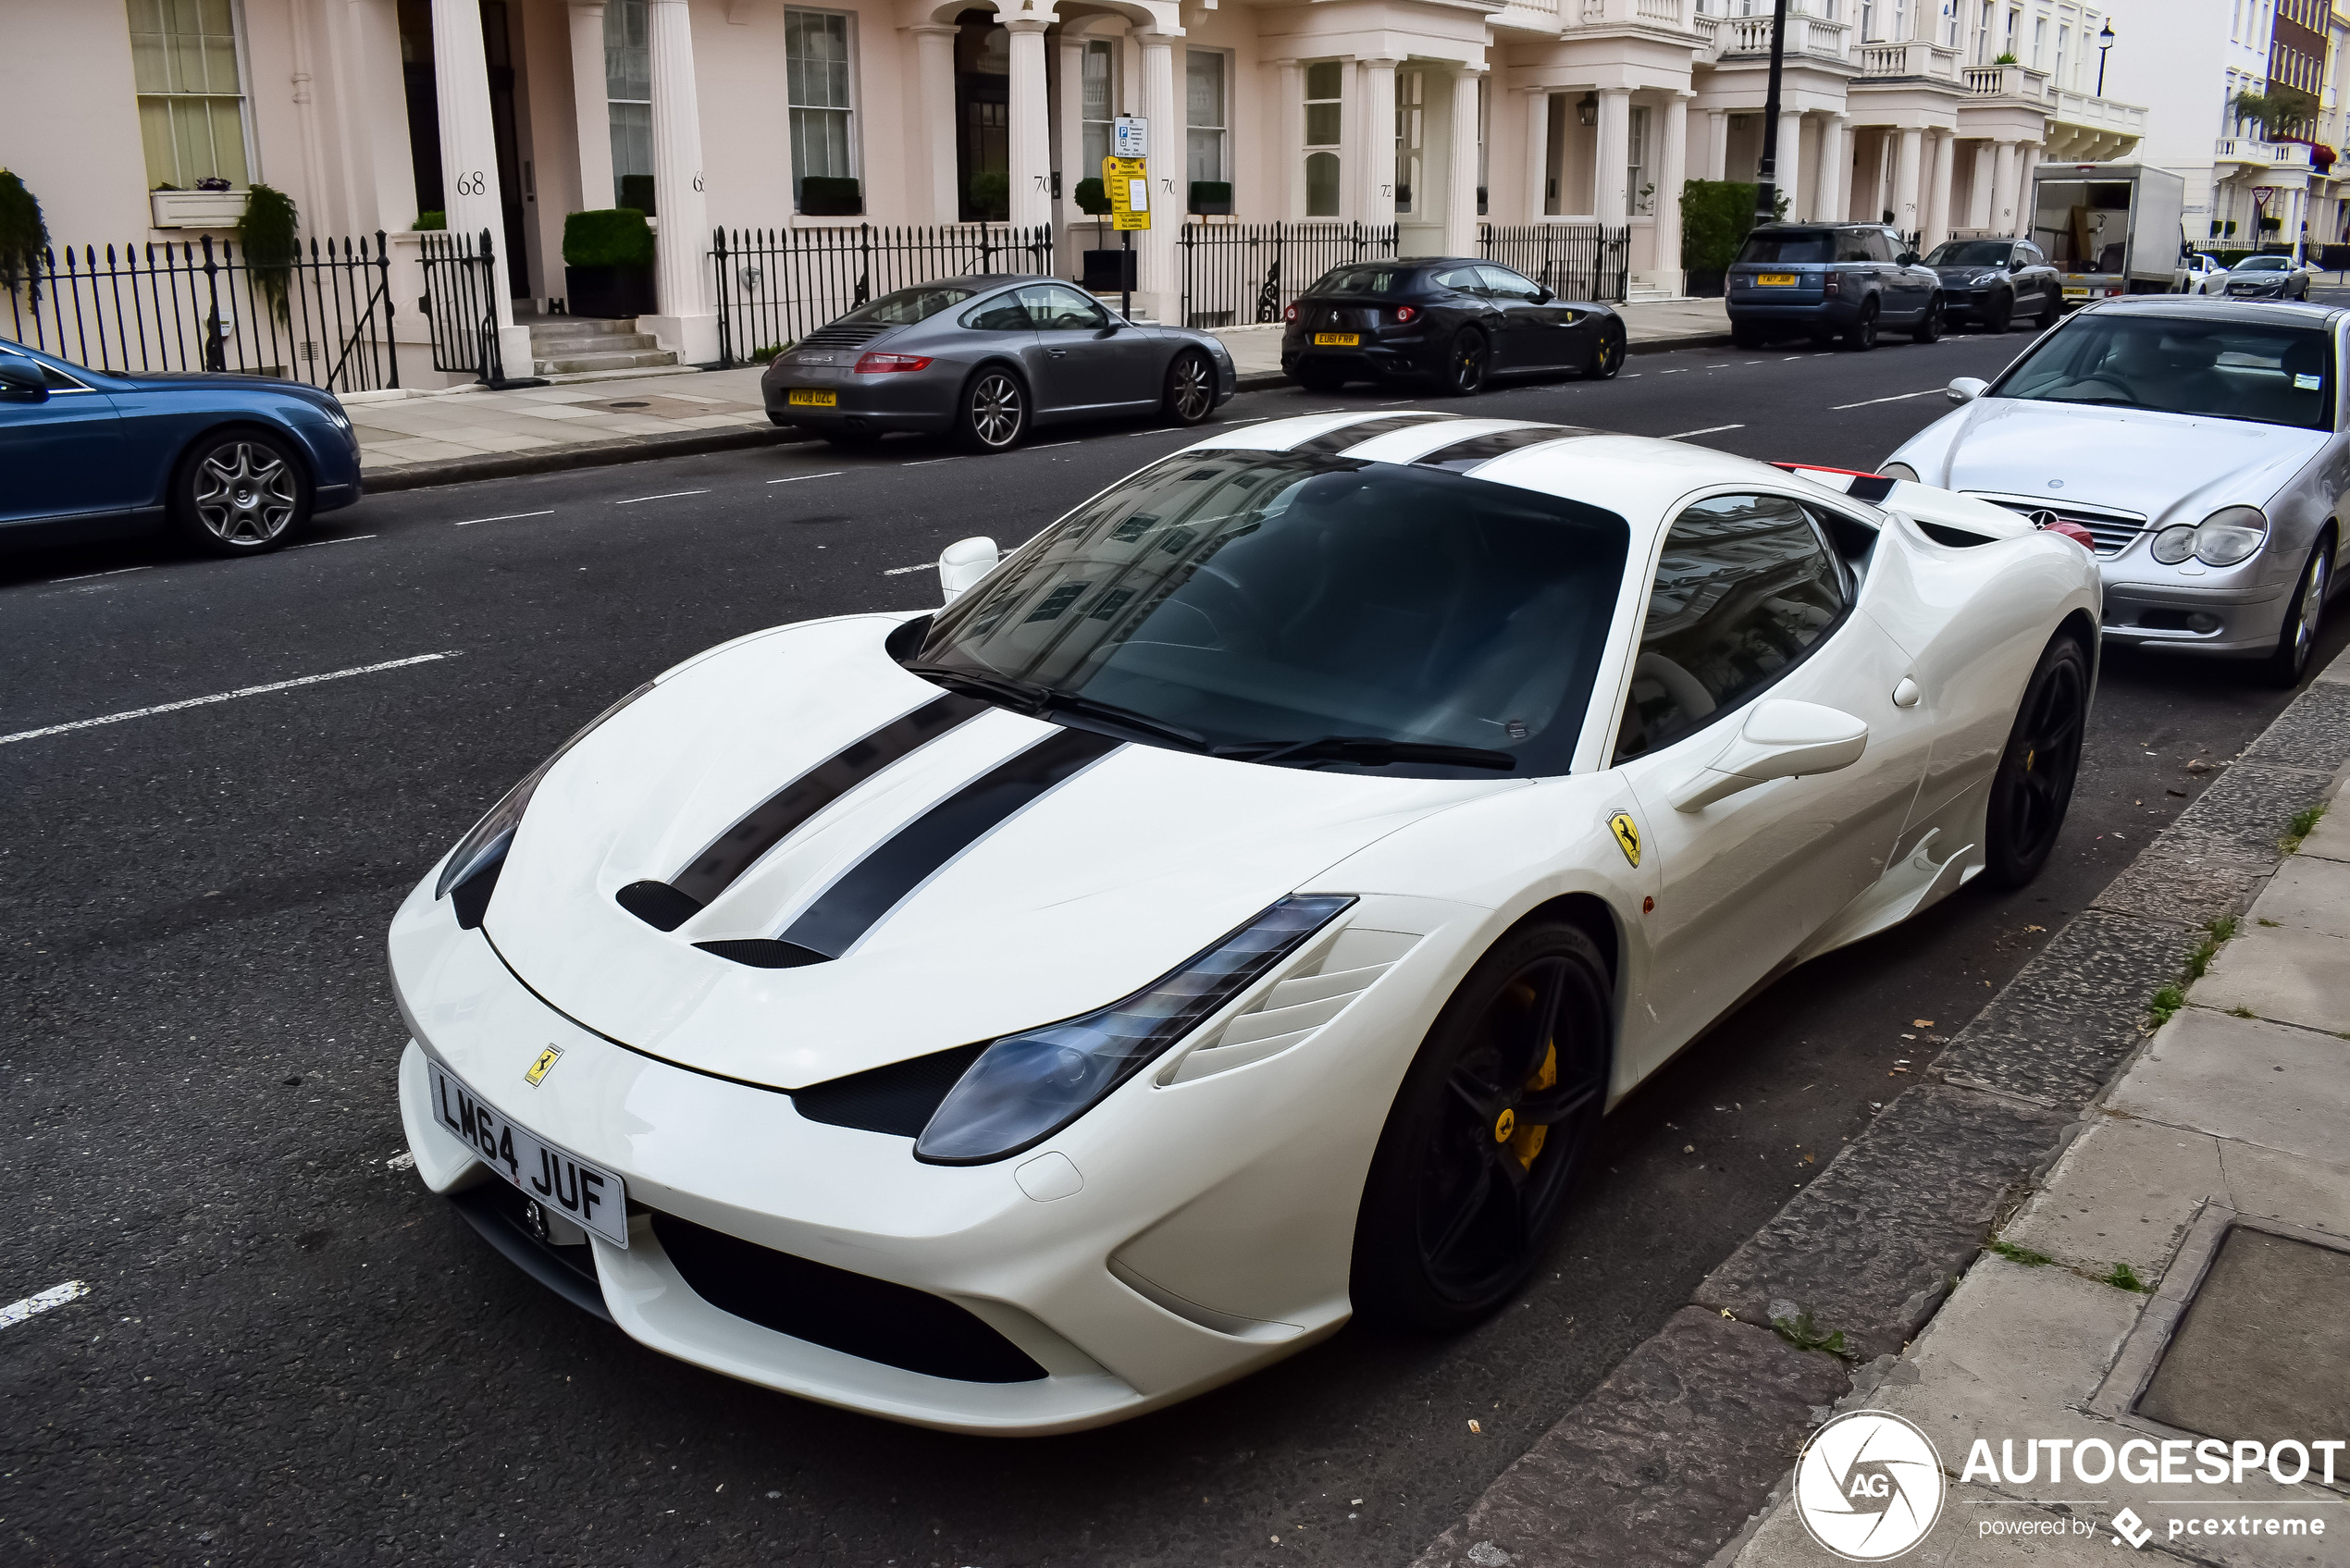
608 263
1212 198
828 196
173 208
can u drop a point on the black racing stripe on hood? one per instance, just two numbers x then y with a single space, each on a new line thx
871 888
1474 452
739 847
1331 442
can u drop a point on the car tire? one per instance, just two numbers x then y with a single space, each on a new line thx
2033 785
239 492
1467 359
2049 312
992 414
1929 327
1321 378
1189 396
1465 1186
2000 314
1862 335
1607 358
2303 617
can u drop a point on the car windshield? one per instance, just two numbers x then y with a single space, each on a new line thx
1968 253
1787 249
2264 264
2271 374
909 305
1261 598
1364 280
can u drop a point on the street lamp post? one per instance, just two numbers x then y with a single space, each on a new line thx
2105 42
1766 175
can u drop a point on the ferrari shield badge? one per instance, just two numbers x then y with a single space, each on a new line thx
1627 839
546 1058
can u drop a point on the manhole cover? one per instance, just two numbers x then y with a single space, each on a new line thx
2264 1348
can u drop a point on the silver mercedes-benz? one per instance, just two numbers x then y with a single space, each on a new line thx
2201 442
988 359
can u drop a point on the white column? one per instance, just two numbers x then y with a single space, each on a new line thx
2028 159
1538 153
932 187
1828 197
1158 268
1671 170
1906 177
1978 195
1376 173
1070 135
1938 191
1031 130
1290 189
1460 196
362 59
2003 205
589 107
1790 160
469 157
1610 198
686 322
1717 145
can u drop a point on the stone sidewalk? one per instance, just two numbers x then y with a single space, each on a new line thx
411 438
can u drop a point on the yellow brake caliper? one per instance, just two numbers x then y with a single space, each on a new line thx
1525 1138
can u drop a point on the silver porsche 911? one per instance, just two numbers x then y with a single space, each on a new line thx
2202 443
987 359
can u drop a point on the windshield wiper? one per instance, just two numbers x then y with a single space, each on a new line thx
1369 751
1036 702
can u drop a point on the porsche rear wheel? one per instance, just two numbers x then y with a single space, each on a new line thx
1486 1134
993 415
2033 785
1190 389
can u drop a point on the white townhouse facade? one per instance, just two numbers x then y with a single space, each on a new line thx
1435 116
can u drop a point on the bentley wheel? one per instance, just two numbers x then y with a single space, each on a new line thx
1861 334
995 412
239 492
1464 364
1483 1144
2034 783
1190 389
1607 358
2303 617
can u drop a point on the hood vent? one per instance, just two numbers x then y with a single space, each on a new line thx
899 1099
657 904
763 953
1290 1013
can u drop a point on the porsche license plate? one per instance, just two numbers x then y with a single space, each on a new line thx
809 397
1338 339
1782 280
585 1194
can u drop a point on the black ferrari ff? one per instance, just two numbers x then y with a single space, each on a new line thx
1460 320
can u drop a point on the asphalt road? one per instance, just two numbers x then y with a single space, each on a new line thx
290 1353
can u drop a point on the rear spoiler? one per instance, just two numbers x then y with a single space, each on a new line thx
1947 516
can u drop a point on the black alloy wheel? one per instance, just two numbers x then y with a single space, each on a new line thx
1929 327
1486 1134
239 492
1999 313
2034 783
1607 358
1321 378
1861 334
2303 617
1190 389
995 412
2050 310
1464 364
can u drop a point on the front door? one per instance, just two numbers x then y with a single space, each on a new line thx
63 457
1522 340
1084 365
1750 603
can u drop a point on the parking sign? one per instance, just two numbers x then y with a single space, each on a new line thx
1133 136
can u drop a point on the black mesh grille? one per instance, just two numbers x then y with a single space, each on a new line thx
657 904
764 953
898 1099
854 1313
2113 534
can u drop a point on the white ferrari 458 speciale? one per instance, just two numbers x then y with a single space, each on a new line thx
1234 910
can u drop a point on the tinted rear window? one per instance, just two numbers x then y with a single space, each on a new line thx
1366 280
1785 249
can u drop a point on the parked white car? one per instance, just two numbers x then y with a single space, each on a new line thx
2196 273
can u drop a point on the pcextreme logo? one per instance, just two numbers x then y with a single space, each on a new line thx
1869 1486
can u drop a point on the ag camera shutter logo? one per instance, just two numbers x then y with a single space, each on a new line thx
1869 1486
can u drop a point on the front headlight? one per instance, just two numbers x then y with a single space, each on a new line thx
1898 471
2229 536
484 849
2174 545
1026 1087
1983 280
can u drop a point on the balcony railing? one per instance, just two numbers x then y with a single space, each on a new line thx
1916 58
2006 81
1672 14
2268 154
1816 36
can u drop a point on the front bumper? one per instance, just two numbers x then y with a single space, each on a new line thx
2241 622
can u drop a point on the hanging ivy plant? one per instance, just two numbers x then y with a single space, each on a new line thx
24 237
266 235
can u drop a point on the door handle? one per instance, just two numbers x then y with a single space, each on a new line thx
1055 353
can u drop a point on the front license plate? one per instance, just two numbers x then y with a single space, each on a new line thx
585 1194
1782 278
1338 339
808 397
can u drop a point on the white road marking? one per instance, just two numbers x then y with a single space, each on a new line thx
1709 430
85 576
666 495
32 1306
1683 371
227 696
1898 397
1048 446
346 540
506 517
1258 418
796 478
901 571
925 461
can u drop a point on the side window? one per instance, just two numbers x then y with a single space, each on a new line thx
1852 245
1056 307
51 377
1503 284
1882 246
1465 278
1746 586
1002 313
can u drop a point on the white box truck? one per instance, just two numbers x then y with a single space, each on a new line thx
2110 229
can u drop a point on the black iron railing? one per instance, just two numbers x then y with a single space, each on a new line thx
1238 273
1575 261
777 285
323 316
461 283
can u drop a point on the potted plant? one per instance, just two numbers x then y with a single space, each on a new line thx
266 232
1212 197
825 196
1092 199
608 263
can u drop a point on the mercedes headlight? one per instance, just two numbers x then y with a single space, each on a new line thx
484 848
2174 545
1898 471
1026 1087
2229 536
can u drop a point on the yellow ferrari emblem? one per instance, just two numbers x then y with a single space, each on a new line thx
1628 836
539 1069
1504 1125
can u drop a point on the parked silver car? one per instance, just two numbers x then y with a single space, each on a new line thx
988 359
2202 442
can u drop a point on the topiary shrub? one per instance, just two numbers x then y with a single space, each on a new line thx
23 236
1091 200
1715 215
610 237
266 234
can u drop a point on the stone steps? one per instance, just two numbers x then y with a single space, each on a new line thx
571 345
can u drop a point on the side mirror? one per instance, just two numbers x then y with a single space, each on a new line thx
2015 263
21 382
963 564
1966 388
1543 296
1908 258
1781 739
